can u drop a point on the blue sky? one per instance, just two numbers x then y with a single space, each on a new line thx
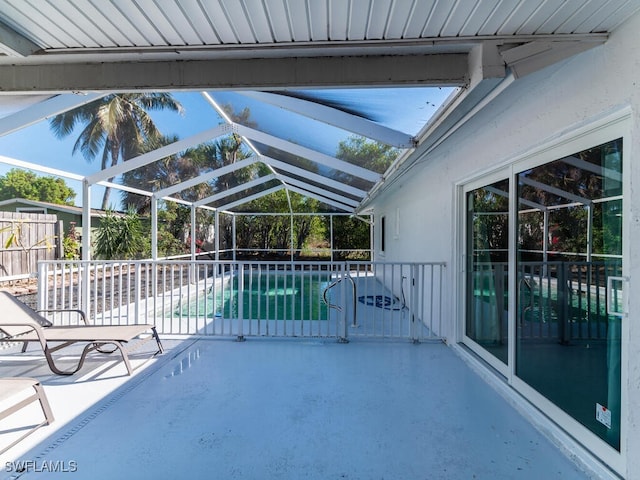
405 109
37 144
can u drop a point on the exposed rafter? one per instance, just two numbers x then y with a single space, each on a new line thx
233 74
537 54
314 177
250 198
234 190
264 193
45 109
218 172
39 168
158 154
329 201
308 188
307 153
336 118
14 44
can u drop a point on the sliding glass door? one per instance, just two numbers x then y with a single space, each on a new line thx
487 281
544 283
569 245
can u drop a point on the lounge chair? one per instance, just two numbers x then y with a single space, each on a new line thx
22 324
12 387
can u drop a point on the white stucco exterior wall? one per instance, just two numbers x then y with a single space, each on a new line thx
533 112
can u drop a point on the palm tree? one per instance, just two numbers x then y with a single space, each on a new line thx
116 126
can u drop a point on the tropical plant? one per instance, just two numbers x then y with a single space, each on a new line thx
71 243
119 237
114 127
19 183
166 172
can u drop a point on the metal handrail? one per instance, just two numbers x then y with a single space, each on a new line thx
338 307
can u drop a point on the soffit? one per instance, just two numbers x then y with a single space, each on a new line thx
69 27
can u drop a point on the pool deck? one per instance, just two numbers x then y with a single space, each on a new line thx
285 409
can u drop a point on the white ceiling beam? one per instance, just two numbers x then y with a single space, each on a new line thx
15 44
307 153
336 118
168 74
158 154
272 163
310 189
314 177
250 198
537 54
303 188
44 110
40 168
234 190
137 191
320 198
125 188
244 163
177 200
205 177
246 140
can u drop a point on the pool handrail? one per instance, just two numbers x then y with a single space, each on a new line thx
338 307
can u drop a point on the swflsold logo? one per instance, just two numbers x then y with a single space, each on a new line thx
49 466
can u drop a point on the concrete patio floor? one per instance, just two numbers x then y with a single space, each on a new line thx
286 409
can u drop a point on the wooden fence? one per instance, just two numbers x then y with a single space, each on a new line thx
26 239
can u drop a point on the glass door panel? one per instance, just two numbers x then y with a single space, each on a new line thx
487 217
569 242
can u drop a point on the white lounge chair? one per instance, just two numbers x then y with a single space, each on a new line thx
12 387
22 324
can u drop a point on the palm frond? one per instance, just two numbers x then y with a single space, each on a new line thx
159 101
90 141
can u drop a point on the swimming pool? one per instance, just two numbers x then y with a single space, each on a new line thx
262 296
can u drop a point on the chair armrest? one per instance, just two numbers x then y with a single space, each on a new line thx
8 336
62 310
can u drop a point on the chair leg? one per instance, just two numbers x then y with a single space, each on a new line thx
154 332
98 346
44 403
55 369
39 395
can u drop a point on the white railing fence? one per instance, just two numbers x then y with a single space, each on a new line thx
283 299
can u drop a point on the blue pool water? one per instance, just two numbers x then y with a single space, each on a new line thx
264 296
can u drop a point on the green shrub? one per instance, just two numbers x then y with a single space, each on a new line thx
119 237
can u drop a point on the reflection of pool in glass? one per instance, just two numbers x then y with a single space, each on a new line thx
266 296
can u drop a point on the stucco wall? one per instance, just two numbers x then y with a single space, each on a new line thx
531 113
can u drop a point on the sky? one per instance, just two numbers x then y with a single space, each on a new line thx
406 109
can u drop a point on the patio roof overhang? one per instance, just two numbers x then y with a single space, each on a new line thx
61 56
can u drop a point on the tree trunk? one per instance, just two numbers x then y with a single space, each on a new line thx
114 161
